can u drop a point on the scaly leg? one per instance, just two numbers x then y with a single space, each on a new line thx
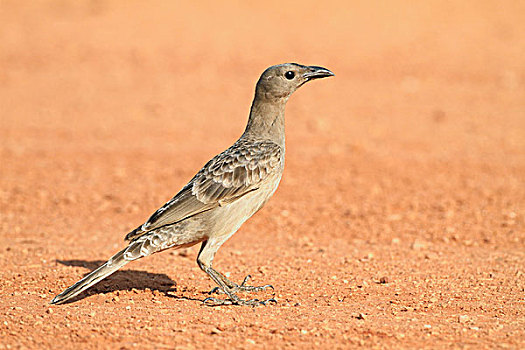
241 287
205 258
230 292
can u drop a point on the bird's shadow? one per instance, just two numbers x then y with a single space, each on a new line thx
125 280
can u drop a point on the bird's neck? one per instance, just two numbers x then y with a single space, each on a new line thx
266 120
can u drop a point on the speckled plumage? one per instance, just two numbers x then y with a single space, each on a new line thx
227 177
227 191
231 175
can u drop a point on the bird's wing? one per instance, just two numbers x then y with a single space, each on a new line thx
224 179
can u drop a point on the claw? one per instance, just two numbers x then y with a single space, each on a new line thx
245 280
230 289
244 288
215 290
217 302
253 289
267 301
210 301
241 287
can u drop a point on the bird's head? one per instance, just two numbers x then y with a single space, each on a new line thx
281 81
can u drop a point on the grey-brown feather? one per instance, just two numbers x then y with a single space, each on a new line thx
227 191
227 177
113 264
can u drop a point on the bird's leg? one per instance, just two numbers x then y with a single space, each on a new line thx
205 258
240 287
244 288
230 292
226 281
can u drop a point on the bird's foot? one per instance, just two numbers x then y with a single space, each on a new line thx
242 287
231 291
235 300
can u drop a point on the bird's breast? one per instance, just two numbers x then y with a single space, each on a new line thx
227 219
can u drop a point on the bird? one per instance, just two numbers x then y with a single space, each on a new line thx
227 191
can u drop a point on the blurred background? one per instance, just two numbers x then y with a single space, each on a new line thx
115 105
108 72
130 98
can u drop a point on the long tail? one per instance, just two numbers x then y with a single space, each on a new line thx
112 265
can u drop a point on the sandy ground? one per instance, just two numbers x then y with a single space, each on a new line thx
399 222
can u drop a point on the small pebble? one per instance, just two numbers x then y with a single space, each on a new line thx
216 331
463 318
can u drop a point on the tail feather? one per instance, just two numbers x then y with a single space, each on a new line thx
112 265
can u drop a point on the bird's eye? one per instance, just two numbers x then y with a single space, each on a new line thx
289 75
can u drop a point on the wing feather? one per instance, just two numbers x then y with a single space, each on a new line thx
227 177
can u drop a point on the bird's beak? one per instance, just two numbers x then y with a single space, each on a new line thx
315 72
